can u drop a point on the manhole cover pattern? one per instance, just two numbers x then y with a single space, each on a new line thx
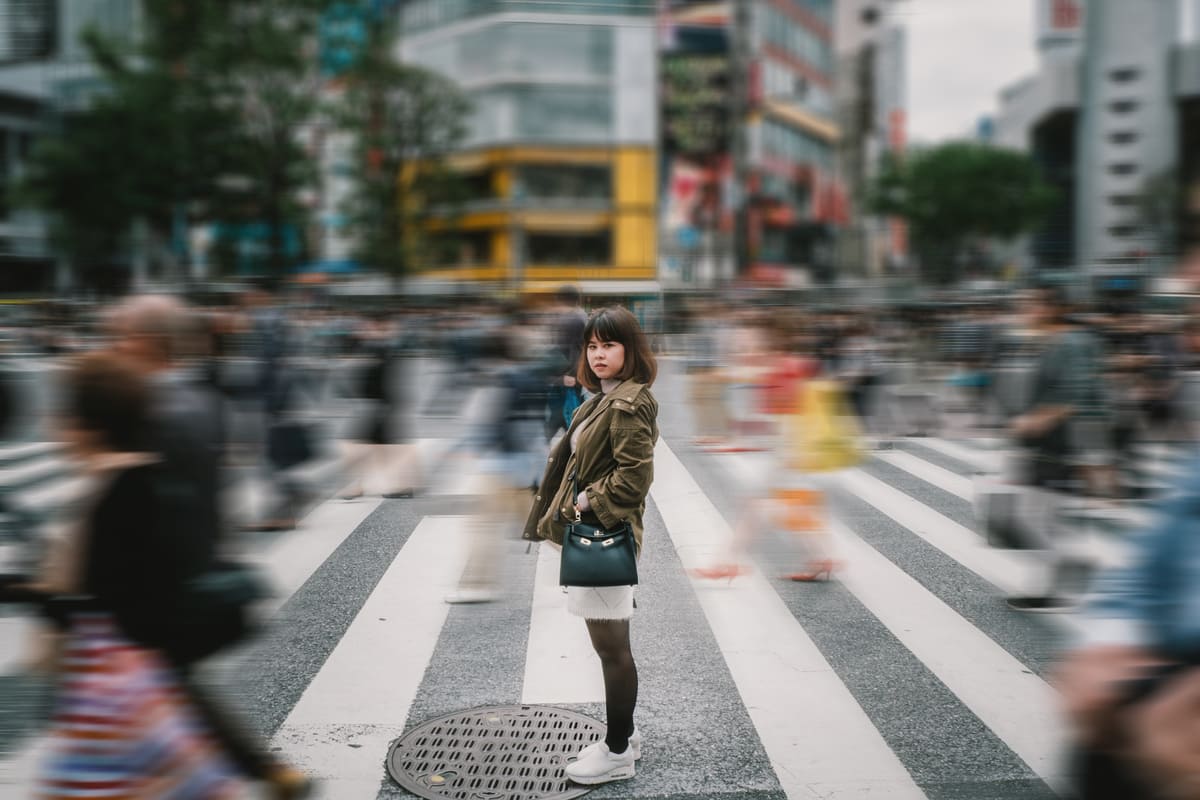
493 753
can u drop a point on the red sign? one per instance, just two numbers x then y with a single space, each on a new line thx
1065 14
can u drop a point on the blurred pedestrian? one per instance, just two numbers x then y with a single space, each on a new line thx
1064 433
565 394
509 456
373 445
1131 685
600 473
708 338
286 440
155 334
112 583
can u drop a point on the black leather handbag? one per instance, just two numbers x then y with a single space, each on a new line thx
594 556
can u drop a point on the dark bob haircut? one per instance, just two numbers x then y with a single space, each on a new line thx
616 324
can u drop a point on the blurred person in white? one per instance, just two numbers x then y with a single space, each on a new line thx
708 339
1063 431
1131 685
509 452
375 447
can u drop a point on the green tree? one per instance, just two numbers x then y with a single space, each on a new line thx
199 121
404 121
956 195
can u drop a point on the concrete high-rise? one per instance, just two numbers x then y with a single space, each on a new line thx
1108 117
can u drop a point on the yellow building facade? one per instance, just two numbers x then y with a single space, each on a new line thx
560 162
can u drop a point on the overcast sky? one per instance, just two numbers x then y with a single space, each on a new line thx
960 54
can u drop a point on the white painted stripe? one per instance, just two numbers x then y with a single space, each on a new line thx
819 740
930 473
1002 568
1018 706
988 461
292 559
358 703
560 665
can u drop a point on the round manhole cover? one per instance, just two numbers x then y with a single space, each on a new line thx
493 753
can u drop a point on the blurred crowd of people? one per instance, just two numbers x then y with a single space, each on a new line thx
162 404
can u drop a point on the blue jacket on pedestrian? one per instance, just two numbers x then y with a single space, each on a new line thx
1153 602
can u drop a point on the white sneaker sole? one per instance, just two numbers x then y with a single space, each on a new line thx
637 750
620 774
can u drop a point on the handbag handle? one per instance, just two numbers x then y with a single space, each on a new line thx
575 494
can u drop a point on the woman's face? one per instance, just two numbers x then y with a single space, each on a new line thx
606 359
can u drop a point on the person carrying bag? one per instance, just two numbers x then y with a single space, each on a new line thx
591 502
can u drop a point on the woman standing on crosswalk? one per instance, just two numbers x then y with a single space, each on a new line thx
601 471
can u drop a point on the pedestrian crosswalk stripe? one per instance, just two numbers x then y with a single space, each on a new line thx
359 700
561 667
1004 569
291 559
985 460
813 730
930 473
1017 705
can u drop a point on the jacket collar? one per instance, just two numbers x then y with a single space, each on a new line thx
627 393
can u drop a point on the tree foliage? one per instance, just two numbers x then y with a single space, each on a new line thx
198 121
404 120
957 194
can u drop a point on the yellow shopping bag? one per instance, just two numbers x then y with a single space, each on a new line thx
824 434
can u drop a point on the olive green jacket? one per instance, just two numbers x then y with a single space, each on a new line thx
614 462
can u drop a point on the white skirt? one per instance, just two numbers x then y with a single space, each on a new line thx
600 602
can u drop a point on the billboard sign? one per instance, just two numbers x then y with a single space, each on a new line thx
695 98
1059 21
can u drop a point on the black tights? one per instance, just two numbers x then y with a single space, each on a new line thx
610 638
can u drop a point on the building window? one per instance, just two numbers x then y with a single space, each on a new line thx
1123 200
460 249
564 182
785 143
1122 231
562 113
569 249
1125 74
1123 106
1123 137
1122 169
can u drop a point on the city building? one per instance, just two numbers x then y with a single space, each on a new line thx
1110 116
750 133
871 47
560 153
44 71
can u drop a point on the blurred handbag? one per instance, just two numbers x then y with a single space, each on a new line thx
1014 517
215 607
595 556
289 444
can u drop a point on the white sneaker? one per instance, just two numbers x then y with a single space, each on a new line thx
602 765
463 596
635 744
